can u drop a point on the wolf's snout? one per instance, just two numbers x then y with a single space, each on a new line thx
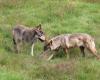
42 37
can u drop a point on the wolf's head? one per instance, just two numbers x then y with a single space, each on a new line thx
39 33
48 45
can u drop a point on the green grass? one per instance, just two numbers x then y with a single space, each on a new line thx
57 17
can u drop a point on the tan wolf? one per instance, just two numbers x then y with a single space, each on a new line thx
66 41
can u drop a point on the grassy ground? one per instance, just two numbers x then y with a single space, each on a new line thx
56 17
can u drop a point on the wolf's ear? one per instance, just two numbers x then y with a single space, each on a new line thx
39 27
50 43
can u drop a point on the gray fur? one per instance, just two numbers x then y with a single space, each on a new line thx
23 34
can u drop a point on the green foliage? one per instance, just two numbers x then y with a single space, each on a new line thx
4 75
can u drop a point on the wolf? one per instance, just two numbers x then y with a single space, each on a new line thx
67 41
22 34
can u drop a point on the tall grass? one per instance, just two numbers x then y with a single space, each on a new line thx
57 17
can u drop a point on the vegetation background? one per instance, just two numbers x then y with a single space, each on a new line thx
57 17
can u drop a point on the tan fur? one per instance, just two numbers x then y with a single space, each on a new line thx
67 41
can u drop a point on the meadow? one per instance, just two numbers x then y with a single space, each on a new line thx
56 17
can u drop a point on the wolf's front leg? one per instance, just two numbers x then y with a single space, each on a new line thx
32 50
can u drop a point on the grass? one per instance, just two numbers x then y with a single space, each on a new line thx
57 17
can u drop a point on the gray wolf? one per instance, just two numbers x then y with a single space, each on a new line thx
23 34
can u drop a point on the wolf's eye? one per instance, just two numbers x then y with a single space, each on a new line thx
41 32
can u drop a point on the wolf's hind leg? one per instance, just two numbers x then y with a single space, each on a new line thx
66 51
82 50
17 44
